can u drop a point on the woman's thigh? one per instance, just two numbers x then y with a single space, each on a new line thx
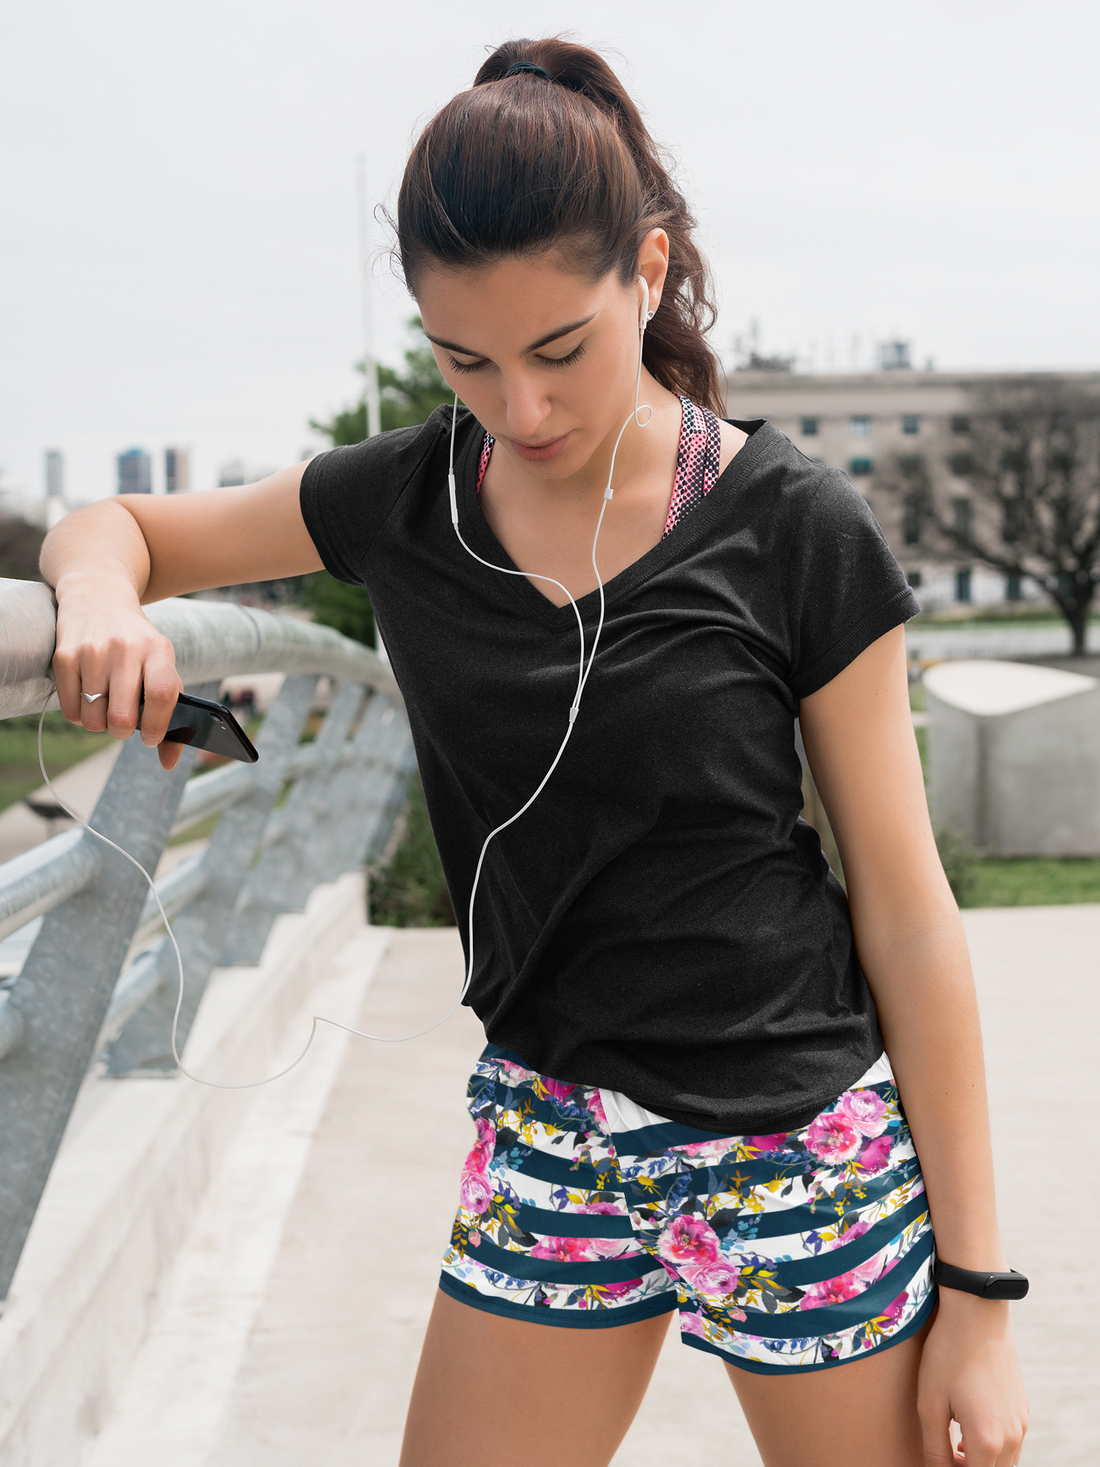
859 1414
495 1392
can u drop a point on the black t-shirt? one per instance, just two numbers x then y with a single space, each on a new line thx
661 921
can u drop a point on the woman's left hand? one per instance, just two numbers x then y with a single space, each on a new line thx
969 1373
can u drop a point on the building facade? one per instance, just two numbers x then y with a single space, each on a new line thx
177 470
135 472
867 424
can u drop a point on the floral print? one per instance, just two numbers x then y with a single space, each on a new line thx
791 1251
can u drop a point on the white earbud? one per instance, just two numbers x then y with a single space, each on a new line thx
646 315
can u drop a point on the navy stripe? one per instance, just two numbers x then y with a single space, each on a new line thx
824 1213
832 1319
562 1172
763 1367
544 1112
551 1270
550 1224
599 1316
707 1180
839 1260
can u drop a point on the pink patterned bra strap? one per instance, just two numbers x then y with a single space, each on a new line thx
697 460
483 461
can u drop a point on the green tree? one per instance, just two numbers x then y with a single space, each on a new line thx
19 547
411 890
407 398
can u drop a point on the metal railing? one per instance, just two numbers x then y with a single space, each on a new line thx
303 815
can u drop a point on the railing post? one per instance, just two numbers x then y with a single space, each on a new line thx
66 983
143 1047
280 883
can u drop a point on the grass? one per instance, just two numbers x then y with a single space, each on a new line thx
63 744
411 890
1032 881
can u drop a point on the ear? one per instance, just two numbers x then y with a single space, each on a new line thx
653 264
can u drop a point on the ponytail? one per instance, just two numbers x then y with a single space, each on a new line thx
556 156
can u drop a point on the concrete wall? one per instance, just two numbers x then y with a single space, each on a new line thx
1015 757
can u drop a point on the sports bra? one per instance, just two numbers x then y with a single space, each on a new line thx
697 459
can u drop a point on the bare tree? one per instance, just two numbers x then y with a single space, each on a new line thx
1032 468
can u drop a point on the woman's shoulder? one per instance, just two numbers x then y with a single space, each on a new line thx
779 481
396 453
348 492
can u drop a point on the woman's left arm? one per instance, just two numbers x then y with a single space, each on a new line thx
859 740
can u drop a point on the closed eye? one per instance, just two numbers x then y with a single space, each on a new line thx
457 366
568 361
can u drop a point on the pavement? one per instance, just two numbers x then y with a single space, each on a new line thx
295 1338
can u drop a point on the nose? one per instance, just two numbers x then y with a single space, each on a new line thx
526 407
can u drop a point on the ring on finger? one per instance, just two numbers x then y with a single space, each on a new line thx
91 697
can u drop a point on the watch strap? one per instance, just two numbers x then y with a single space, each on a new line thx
1011 1285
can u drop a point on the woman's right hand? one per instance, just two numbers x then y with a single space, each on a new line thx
107 646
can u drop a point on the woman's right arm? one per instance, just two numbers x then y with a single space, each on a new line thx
106 560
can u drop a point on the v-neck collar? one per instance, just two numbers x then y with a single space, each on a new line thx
669 547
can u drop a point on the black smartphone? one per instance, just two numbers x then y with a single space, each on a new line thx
207 725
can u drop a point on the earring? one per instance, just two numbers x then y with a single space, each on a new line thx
649 315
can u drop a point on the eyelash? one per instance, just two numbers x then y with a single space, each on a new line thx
568 361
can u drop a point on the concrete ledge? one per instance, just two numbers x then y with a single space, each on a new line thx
129 1181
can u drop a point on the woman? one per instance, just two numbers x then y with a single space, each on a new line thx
685 1103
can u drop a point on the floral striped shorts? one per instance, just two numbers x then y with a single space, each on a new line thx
796 1251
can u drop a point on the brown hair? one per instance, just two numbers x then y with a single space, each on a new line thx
519 165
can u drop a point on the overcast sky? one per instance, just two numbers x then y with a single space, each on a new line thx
178 240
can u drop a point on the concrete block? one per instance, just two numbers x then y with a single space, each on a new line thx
1015 757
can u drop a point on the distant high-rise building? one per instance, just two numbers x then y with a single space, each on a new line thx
55 474
135 472
177 470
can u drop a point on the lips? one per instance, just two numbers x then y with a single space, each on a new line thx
537 453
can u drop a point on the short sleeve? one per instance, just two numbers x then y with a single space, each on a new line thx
844 587
347 494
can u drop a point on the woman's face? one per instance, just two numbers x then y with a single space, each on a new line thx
544 358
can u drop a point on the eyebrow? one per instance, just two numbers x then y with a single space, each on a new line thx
542 341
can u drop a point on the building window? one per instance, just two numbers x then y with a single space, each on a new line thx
960 423
962 584
809 427
910 423
911 518
961 464
861 427
859 468
960 513
1014 586
914 578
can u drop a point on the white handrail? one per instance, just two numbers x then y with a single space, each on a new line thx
212 639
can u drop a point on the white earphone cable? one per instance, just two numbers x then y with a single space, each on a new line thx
584 668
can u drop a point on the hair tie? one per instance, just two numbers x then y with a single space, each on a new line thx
528 66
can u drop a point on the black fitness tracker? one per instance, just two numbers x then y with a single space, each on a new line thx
1011 1285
